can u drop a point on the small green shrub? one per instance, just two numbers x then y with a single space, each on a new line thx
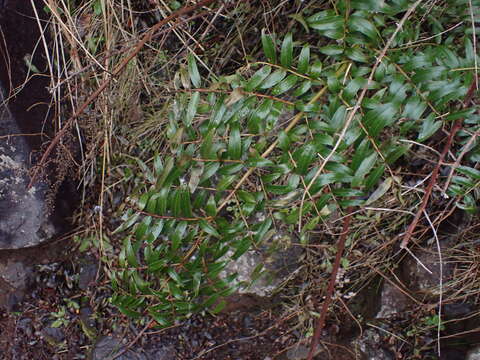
241 153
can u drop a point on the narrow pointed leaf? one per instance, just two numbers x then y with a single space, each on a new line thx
269 47
257 78
193 71
304 59
192 108
286 54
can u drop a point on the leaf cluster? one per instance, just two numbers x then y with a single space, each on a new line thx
276 120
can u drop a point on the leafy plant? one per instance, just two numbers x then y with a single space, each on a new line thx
249 146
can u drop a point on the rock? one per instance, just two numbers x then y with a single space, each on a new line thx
162 353
421 282
268 266
28 216
392 301
26 326
87 274
107 347
15 279
23 212
53 336
474 354
300 352
15 274
370 345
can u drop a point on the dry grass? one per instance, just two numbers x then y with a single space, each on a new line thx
129 119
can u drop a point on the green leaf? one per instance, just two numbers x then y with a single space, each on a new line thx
256 123
258 161
304 157
193 71
209 170
129 219
192 108
269 47
356 55
302 89
471 172
460 114
286 54
162 202
211 207
428 128
273 79
257 78
130 253
373 177
304 59
219 111
285 85
169 164
143 200
316 69
363 26
182 205
414 108
366 165
301 20
380 191
209 229
338 118
283 141
375 120
206 150
225 182
334 22
331 50
241 247
235 142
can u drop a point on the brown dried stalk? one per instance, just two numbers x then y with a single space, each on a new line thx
331 286
147 37
433 179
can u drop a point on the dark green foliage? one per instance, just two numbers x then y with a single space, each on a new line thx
177 246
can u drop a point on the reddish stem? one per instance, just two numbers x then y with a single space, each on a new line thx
331 286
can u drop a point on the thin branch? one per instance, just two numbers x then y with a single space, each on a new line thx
434 176
331 287
126 348
106 82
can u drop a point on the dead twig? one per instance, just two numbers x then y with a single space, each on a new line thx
331 286
126 348
148 35
434 176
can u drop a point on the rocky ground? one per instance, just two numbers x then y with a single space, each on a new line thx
57 308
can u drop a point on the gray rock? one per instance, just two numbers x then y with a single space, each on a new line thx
108 347
420 281
15 274
392 301
277 257
370 346
474 354
88 272
53 335
26 326
24 219
162 353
